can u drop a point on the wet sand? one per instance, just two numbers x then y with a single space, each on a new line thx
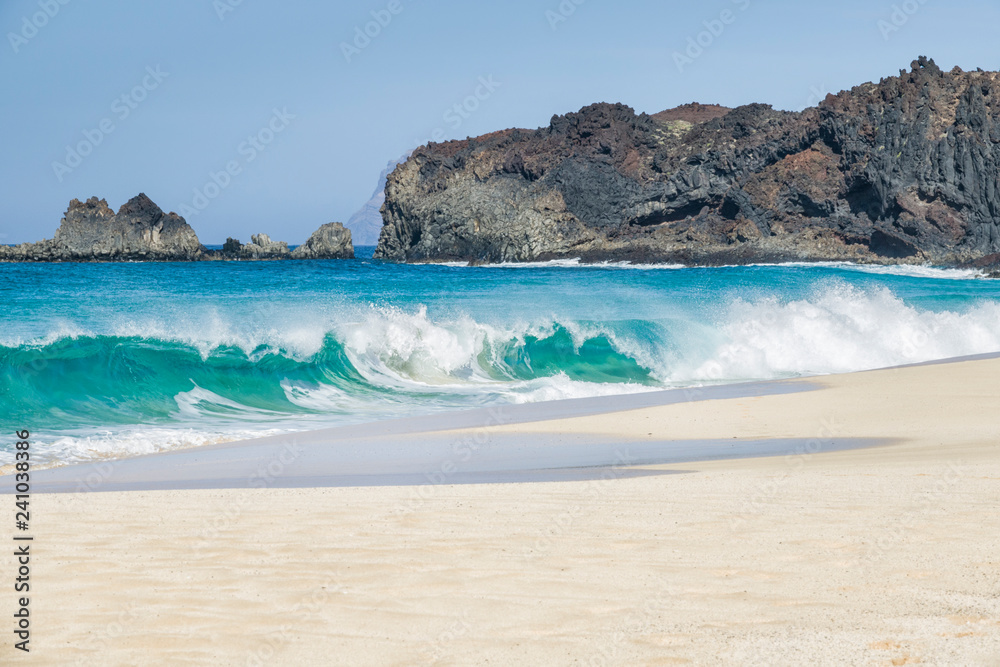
873 539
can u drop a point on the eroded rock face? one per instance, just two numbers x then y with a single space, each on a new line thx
91 231
906 170
331 241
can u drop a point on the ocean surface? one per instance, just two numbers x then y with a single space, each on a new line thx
111 360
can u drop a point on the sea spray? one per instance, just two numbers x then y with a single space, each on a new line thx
104 361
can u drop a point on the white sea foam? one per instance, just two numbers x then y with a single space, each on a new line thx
839 329
59 329
560 387
412 345
200 403
128 442
414 363
300 334
571 263
902 270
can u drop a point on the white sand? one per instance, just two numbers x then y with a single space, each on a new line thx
884 556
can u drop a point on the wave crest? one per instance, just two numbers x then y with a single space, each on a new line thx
187 383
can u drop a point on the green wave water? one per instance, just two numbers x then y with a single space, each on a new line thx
110 360
78 381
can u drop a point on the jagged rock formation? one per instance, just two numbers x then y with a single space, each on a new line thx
331 241
231 248
141 231
92 231
906 170
262 247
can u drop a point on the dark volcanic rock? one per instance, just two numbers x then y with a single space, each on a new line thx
331 241
90 231
231 248
906 170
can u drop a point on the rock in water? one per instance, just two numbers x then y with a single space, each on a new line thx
262 247
331 241
903 171
231 248
140 231
91 231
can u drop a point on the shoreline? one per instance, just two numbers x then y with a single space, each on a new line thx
881 555
531 442
216 254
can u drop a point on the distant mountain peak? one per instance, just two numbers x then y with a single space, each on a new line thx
366 223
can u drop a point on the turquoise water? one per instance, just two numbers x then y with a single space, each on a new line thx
107 360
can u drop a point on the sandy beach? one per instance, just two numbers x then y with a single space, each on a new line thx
873 539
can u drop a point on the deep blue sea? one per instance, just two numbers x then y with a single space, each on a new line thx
110 360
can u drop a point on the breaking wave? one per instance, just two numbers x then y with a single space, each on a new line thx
157 386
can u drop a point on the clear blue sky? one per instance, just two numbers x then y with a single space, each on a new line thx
224 77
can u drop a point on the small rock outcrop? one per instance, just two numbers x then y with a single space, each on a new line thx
331 241
906 170
231 248
140 231
91 231
262 247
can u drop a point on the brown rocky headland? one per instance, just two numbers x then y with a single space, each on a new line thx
906 170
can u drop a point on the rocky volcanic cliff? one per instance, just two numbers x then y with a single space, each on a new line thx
906 170
141 231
